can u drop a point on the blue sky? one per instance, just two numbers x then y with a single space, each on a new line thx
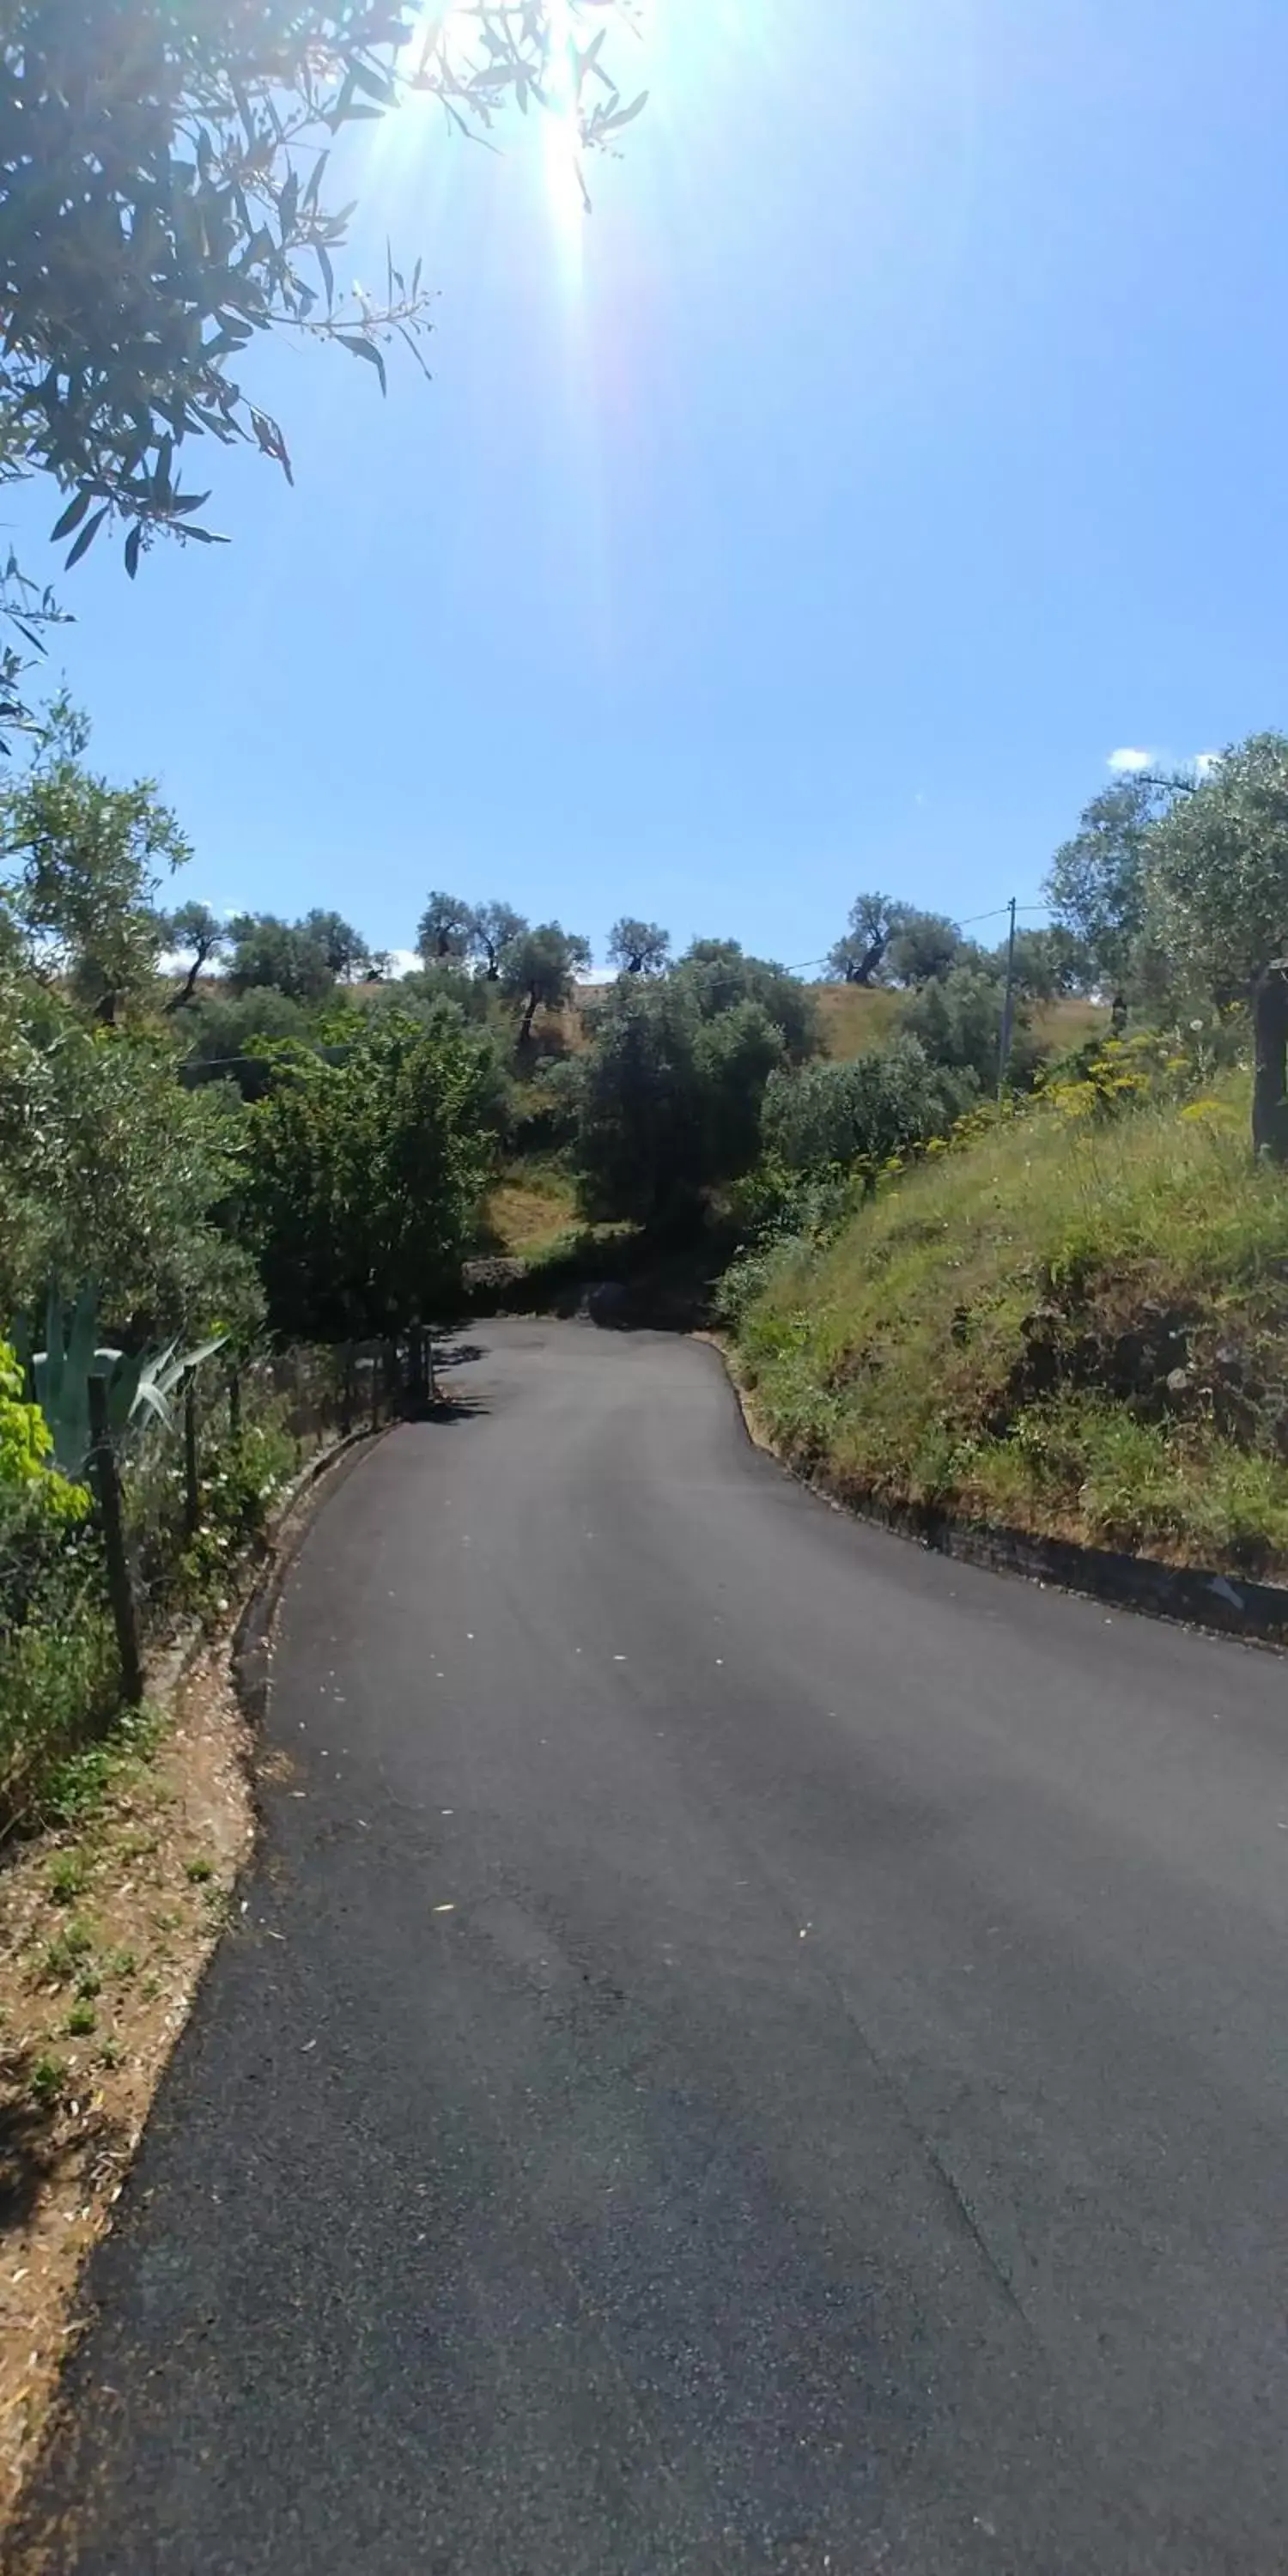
901 435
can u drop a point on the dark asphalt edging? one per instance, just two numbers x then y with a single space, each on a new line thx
251 1653
1191 1595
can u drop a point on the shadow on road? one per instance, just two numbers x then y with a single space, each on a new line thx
454 1408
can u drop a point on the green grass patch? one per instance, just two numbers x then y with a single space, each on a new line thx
1078 1326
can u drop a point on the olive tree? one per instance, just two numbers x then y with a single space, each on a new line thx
638 947
669 1098
1217 882
494 929
540 971
286 954
344 948
86 863
859 957
1096 883
197 933
924 945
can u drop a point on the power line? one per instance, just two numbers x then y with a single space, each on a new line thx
999 912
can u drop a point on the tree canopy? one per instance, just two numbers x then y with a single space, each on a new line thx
365 1173
670 1097
494 928
1096 884
834 1116
719 974
638 947
168 203
446 929
924 944
480 935
1048 963
539 970
87 864
267 950
1216 884
858 957
196 932
957 1018
344 948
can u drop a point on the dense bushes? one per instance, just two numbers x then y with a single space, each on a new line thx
365 1174
110 1170
57 1662
855 1116
669 1095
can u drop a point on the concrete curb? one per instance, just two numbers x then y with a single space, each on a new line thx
1227 1604
250 1659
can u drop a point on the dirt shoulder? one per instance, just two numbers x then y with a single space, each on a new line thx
105 1927
107 1921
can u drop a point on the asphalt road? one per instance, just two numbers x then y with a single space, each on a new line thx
751 2049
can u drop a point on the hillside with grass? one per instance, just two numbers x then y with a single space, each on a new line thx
1075 1324
856 1017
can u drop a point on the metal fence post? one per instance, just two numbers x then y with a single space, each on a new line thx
107 1483
191 1477
417 1389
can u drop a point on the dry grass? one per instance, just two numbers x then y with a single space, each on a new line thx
1062 1026
105 1927
855 1017
531 1208
1077 1328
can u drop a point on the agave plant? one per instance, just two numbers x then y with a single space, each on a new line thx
138 1386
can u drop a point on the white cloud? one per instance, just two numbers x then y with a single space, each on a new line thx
1128 760
404 961
1205 762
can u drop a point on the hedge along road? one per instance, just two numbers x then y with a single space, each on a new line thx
750 2048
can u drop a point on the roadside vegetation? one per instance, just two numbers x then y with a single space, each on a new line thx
1074 1322
1017 1255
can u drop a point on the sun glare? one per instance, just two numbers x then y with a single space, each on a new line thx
561 143
552 133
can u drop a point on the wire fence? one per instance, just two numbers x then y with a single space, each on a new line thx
177 1510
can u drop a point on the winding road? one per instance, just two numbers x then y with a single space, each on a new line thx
751 2048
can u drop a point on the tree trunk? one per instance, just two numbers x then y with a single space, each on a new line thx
179 1001
1270 1076
529 1015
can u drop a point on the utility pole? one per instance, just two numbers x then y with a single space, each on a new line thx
1008 1008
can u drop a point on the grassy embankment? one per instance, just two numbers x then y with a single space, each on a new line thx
1072 1327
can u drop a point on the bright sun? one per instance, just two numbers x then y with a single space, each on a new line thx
561 139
